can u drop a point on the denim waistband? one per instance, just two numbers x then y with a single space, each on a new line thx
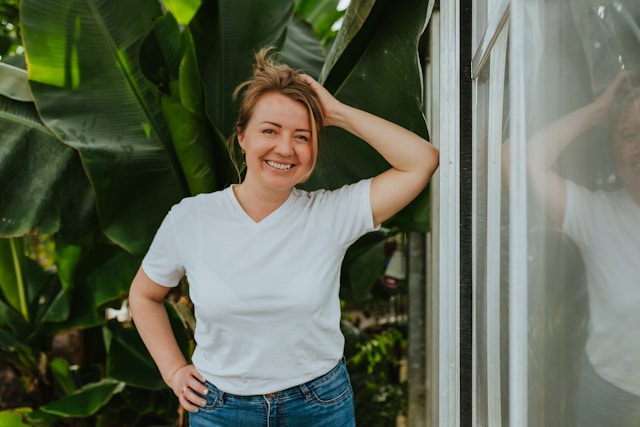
301 389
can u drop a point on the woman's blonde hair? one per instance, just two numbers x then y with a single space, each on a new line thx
280 78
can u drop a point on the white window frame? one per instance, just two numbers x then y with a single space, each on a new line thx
504 17
443 364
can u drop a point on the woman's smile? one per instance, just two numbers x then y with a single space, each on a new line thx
279 166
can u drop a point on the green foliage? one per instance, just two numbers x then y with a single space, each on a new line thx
374 368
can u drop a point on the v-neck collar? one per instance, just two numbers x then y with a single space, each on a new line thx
273 216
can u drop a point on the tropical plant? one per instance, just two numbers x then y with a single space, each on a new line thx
375 367
123 109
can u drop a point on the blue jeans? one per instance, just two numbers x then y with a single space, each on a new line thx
326 401
602 404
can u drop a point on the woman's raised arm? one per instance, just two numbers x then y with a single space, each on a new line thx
413 159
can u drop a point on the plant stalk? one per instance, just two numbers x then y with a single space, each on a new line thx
22 296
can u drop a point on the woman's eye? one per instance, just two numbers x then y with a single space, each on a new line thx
303 138
269 131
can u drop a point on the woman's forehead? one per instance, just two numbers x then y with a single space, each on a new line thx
277 107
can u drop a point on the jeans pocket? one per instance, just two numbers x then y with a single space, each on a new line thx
334 391
213 397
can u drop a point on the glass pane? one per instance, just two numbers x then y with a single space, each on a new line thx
480 242
480 20
504 253
583 155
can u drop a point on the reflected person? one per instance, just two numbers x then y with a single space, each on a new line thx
605 226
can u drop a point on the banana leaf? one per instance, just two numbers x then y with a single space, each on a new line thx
90 92
43 183
374 65
85 401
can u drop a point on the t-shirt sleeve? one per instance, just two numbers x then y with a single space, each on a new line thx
162 261
349 210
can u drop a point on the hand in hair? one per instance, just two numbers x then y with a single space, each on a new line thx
329 103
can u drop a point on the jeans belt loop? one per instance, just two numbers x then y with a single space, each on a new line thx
307 394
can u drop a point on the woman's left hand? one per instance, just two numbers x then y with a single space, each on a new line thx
330 104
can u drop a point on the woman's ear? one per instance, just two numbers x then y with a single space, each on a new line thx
240 136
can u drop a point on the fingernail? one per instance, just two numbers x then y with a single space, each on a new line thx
195 410
203 404
205 391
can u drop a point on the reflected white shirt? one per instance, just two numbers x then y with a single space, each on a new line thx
606 228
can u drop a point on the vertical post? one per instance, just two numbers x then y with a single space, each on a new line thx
417 329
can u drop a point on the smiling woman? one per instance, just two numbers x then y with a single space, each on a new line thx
263 260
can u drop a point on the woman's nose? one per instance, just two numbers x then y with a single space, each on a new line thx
284 146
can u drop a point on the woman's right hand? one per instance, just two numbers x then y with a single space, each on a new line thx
185 383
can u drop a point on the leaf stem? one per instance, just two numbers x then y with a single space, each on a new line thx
22 297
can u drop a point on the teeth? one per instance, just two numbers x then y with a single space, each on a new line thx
278 165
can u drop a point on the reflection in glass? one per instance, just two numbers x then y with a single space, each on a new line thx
584 172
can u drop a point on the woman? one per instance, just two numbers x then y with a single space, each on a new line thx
605 225
263 261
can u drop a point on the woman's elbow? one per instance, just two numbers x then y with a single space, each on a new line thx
430 163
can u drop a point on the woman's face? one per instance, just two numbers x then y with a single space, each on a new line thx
277 141
626 145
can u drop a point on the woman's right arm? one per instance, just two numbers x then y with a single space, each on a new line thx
146 302
547 144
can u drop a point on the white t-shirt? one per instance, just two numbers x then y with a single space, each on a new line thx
266 294
606 228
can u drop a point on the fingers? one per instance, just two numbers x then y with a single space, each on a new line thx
191 398
329 103
188 386
309 80
317 87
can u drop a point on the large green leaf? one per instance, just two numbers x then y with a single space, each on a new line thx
86 401
88 88
100 277
130 361
43 183
168 59
353 20
374 65
303 50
